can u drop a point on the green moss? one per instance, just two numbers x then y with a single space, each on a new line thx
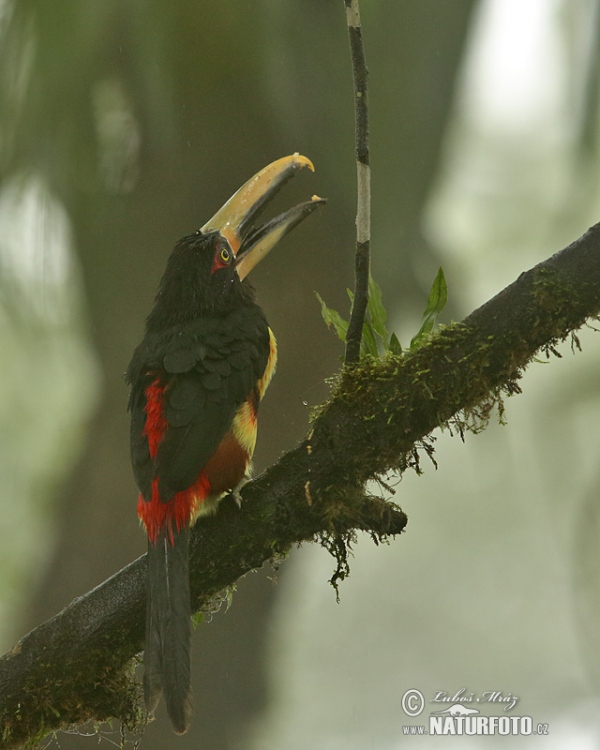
116 694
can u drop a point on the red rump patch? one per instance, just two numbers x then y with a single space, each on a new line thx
175 514
179 510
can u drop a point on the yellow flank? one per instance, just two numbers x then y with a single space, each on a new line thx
244 428
206 507
244 431
262 384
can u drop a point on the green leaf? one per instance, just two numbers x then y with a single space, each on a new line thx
438 296
374 321
374 327
369 342
377 311
333 319
197 619
394 347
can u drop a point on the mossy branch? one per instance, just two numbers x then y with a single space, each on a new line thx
77 666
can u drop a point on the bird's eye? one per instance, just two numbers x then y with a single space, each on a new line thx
225 255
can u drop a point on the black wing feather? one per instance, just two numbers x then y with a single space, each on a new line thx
143 469
209 368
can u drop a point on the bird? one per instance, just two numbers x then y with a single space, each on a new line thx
196 381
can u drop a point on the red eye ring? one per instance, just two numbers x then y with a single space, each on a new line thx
223 256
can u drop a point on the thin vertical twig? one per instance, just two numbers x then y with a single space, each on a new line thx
362 259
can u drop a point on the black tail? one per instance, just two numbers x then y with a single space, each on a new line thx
168 613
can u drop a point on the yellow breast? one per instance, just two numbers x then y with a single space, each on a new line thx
262 384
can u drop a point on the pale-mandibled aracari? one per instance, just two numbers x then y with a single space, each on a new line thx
197 379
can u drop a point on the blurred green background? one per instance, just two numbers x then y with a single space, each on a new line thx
123 126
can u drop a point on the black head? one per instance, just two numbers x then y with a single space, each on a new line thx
200 280
205 271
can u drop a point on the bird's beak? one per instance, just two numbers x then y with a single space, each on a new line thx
235 219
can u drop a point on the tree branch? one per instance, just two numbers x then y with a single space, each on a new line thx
77 666
362 256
